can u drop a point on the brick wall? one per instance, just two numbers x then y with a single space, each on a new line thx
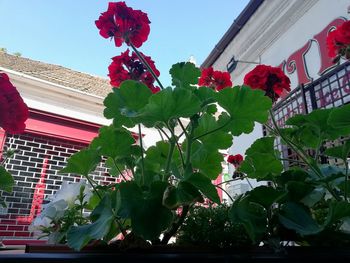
35 166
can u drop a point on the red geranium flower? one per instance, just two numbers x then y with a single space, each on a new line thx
124 24
126 67
215 79
338 42
236 160
13 110
272 80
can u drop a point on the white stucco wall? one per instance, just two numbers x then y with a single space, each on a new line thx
276 30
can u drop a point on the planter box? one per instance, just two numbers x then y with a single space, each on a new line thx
172 255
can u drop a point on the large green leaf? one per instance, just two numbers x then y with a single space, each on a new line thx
208 162
265 195
83 162
298 218
213 141
205 185
183 194
337 211
6 180
245 106
125 102
339 118
185 75
253 217
170 104
80 236
206 95
317 124
298 190
342 152
113 142
157 155
261 160
145 208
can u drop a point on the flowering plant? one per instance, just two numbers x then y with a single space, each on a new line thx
13 114
65 209
177 171
338 42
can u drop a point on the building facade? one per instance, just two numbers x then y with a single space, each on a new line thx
66 109
290 34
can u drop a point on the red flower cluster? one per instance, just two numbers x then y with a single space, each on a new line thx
272 80
338 42
215 79
13 110
124 24
126 67
236 160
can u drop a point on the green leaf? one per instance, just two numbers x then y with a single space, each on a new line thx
206 95
125 102
208 162
293 174
184 194
213 141
185 75
156 157
298 218
317 124
145 209
80 236
314 197
113 142
339 118
82 162
205 185
245 107
298 190
169 104
6 180
253 217
342 152
265 196
337 211
261 161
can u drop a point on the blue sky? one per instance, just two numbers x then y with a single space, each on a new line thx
63 31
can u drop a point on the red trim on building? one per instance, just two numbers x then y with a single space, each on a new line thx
2 141
49 124
44 123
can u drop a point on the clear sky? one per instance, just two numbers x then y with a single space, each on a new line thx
63 31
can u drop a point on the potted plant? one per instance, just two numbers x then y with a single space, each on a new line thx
198 117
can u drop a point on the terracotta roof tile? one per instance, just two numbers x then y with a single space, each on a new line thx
56 74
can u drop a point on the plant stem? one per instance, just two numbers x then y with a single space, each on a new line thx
175 226
142 161
168 161
144 62
120 172
93 186
222 189
302 155
346 179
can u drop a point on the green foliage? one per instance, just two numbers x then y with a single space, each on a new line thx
244 106
211 227
185 75
6 180
79 236
252 216
261 160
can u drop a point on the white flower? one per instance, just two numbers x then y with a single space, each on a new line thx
39 223
70 192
